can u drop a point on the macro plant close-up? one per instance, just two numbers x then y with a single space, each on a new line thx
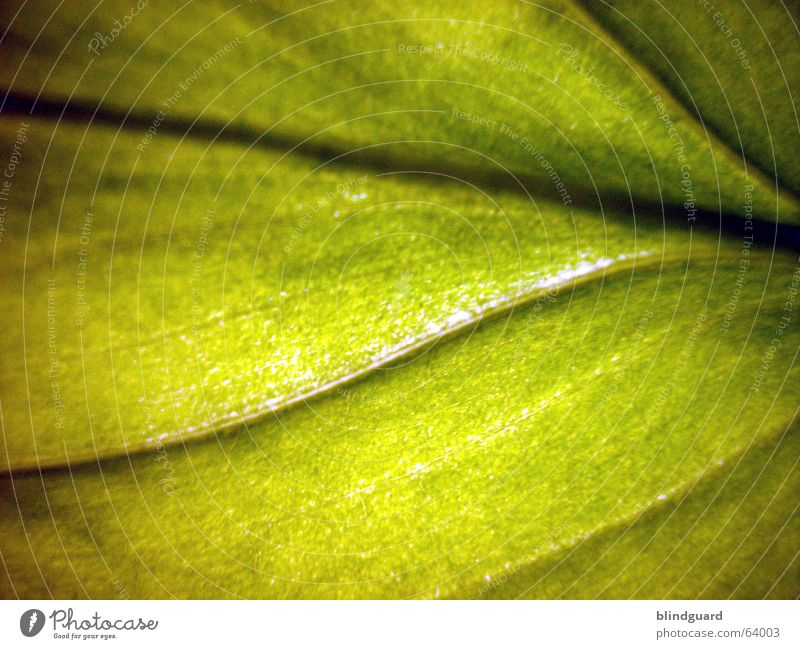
385 300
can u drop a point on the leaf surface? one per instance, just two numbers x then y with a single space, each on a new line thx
442 301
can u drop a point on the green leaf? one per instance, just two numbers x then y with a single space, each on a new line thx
316 333
716 540
741 75
205 301
342 76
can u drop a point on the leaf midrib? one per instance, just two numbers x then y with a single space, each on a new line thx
225 425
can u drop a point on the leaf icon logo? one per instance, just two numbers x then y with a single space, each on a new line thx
31 622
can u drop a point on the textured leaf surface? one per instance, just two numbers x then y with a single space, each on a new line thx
408 482
207 299
325 325
717 540
736 65
348 75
